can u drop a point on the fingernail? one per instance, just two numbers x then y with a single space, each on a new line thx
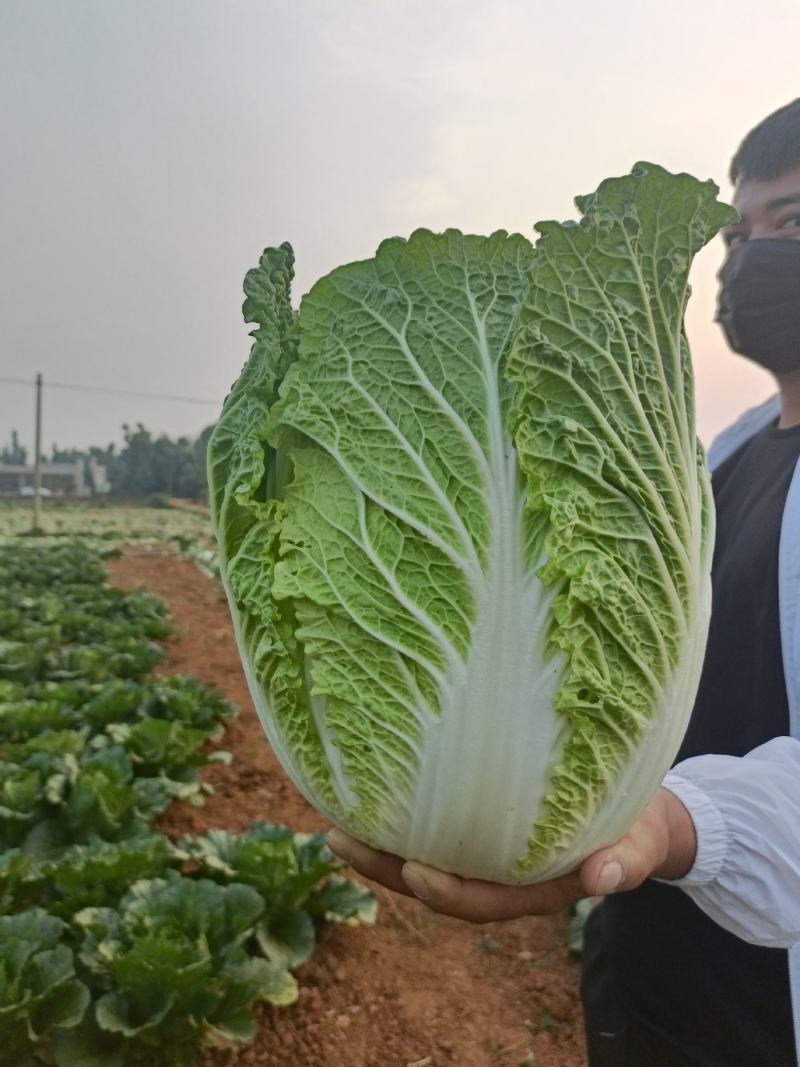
340 844
415 878
611 878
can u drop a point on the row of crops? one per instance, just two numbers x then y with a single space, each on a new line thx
102 525
118 946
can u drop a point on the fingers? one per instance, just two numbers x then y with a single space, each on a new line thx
382 867
463 898
476 901
480 902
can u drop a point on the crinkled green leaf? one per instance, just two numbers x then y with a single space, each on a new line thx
604 427
465 528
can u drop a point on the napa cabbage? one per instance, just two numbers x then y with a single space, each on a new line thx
465 528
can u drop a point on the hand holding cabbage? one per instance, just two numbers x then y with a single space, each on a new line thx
661 843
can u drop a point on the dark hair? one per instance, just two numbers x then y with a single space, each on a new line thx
770 149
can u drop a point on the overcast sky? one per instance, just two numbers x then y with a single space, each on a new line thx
151 148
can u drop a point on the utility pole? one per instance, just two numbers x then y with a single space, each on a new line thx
37 468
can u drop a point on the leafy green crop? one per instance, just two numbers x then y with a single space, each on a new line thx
172 968
85 630
82 876
101 526
91 749
465 528
39 993
294 873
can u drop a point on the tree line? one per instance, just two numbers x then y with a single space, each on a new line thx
144 465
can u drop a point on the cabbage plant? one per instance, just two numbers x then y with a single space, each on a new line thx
465 528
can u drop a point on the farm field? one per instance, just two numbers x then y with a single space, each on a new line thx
183 528
413 989
120 946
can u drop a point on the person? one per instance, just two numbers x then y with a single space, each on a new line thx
689 959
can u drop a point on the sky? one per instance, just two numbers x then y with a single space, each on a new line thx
151 149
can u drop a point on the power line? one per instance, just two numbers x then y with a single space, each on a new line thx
110 391
129 392
18 381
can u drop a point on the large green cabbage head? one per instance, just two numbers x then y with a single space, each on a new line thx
466 529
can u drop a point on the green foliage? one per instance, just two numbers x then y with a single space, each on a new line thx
14 453
39 993
104 524
87 631
189 701
294 874
92 748
158 467
578 916
116 947
171 969
83 876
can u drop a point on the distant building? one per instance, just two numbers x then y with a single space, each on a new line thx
98 476
58 479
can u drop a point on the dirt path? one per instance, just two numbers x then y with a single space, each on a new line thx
417 990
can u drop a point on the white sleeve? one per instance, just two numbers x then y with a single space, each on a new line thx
746 811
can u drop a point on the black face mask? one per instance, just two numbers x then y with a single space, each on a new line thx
759 302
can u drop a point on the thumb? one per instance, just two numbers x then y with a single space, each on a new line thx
621 866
